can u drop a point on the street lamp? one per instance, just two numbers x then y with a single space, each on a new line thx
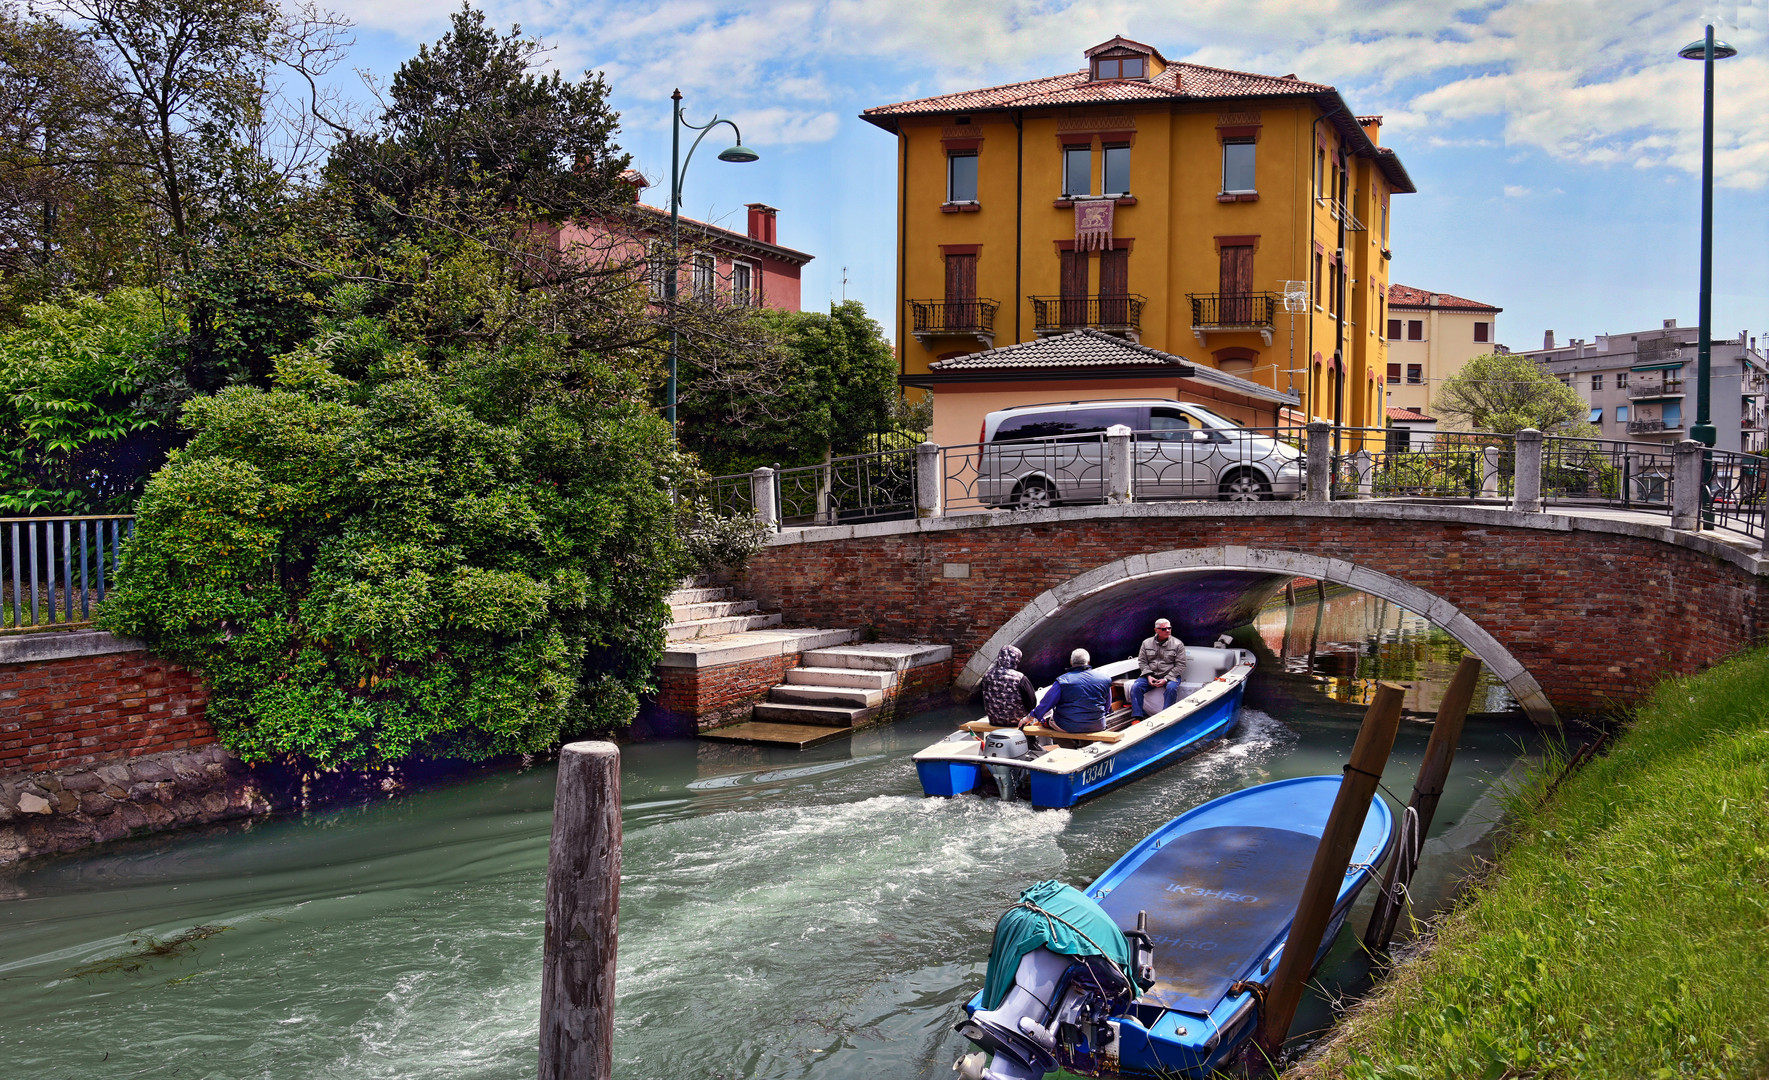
1707 51
739 154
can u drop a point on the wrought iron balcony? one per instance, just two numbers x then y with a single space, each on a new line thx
1119 313
953 318
1656 389
1653 427
1233 312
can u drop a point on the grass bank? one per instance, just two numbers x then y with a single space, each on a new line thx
1625 931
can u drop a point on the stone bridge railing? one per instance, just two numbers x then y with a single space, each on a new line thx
1691 486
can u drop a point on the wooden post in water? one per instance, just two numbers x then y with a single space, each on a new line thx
1290 593
583 901
1427 789
1331 859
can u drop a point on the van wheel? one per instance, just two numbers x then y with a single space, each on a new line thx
1034 495
1245 485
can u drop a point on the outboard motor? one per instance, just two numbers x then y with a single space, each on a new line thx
1008 744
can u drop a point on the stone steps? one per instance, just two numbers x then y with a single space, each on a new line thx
827 676
712 628
818 715
857 697
765 734
834 689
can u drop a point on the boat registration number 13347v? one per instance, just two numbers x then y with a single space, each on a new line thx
1097 771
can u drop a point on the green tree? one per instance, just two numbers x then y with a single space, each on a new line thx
78 423
820 384
1506 393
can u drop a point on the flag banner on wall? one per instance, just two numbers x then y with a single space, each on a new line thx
1093 224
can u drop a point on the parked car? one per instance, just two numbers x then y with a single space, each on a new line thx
1035 456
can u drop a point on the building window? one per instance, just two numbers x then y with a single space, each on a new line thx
1394 373
1119 67
1596 417
705 273
1621 414
1116 171
657 266
1415 374
1394 335
1078 170
1596 382
1237 167
961 279
742 291
1415 330
1483 331
1317 281
961 178
1385 244
1621 380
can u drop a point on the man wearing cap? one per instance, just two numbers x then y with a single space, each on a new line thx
1079 699
1162 659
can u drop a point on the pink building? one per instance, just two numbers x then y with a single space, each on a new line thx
750 269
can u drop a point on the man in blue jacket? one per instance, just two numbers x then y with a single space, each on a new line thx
1079 697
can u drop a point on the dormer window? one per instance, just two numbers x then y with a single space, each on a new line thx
1120 67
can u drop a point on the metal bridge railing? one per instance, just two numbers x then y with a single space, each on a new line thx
860 487
54 570
1736 487
1460 466
1607 472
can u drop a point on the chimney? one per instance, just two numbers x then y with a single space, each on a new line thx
1548 339
1670 324
761 222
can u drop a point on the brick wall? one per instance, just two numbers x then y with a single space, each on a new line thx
1596 617
59 713
694 699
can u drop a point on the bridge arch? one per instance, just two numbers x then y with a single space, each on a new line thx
1262 570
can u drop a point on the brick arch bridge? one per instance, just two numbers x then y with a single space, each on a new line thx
1576 614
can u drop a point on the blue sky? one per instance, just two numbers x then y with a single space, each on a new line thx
1556 145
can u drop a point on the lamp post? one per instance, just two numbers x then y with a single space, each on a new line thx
678 166
1707 51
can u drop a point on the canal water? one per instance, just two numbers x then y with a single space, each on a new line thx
783 914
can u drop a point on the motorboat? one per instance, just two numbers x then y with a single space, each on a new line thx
1159 968
1053 768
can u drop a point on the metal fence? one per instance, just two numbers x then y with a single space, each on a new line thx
1027 474
1736 488
727 496
1396 463
54 570
861 487
1606 472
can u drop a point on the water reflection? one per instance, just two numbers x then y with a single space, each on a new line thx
1351 641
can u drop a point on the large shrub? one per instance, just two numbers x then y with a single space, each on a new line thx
458 554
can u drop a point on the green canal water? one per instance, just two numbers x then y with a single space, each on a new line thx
783 914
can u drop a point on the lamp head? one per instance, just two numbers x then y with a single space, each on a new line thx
1698 50
739 153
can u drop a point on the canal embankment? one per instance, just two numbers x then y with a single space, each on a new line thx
1624 929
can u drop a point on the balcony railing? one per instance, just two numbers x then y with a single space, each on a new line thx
1234 311
1667 388
1648 427
1115 312
935 318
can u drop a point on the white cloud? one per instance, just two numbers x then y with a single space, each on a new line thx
1586 81
1516 191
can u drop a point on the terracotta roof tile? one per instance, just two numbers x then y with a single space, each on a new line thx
1097 349
1411 415
1408 297
1177 82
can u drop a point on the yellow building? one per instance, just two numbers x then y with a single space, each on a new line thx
1175 205
1430 336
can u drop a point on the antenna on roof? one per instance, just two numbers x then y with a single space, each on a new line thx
1295 303
844 284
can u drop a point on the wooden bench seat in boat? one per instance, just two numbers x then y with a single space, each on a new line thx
983 727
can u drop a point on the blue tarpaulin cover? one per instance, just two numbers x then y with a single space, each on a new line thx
1065 922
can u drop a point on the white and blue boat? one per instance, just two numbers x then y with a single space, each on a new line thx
1053 768
1205 905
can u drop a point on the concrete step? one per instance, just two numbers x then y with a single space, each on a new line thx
749 645
847 697
706 628
879 657
799 735
836 676
696 594
816 715
712 609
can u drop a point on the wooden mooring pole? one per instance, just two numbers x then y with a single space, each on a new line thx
1331 859
1427 790
583 901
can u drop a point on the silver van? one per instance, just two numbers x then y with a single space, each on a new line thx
1035 456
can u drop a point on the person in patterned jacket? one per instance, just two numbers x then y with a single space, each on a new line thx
1007 694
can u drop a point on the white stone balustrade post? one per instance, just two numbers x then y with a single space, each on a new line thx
1119 488
1686 485
1526 491
928 483
1489 472
761 493
1320 462
1364 464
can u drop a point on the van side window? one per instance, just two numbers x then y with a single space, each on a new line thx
1172 425
1046 425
